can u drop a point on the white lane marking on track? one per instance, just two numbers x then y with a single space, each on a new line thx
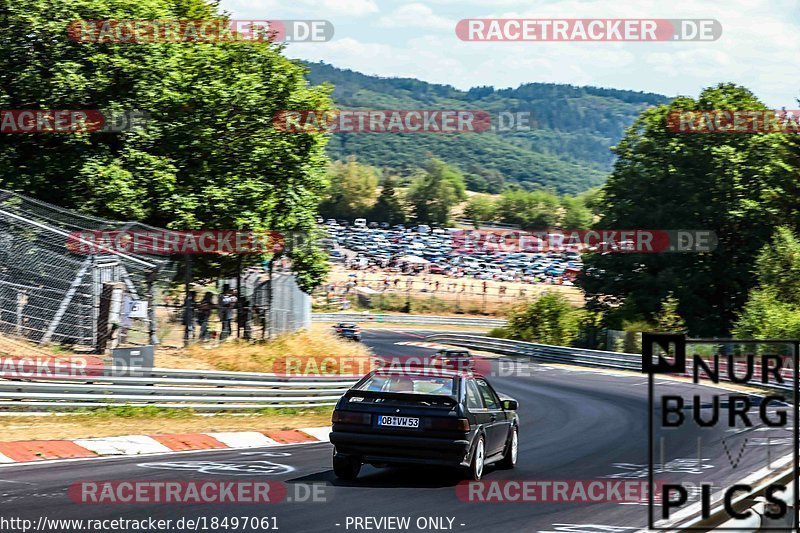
243 439
261 468
127 445
321 434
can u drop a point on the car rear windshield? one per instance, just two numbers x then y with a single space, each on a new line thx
437 385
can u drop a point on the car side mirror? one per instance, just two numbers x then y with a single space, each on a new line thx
510 405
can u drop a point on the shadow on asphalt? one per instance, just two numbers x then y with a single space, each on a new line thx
410 477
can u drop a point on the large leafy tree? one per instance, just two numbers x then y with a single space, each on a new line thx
353 189
389 208
739 185
773 307
529 209
436 191
208 157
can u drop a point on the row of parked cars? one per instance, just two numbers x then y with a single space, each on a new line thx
384 247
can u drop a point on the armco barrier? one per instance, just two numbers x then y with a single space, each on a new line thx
366 318
171 388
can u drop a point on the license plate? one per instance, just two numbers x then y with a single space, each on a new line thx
398 421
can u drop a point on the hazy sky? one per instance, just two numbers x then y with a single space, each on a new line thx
759 47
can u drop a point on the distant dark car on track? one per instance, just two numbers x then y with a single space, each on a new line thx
348 330
454 359
423 416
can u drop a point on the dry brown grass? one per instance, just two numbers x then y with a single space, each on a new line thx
274 355
494 302
88 426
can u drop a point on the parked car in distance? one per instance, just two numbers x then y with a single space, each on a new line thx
419 417
348 330
360 223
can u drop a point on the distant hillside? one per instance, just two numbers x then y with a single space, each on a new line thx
568 150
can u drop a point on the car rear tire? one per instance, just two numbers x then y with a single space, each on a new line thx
346 467
476 466
509 459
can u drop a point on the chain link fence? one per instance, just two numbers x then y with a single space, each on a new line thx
50 292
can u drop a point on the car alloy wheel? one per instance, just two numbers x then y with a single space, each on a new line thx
478 458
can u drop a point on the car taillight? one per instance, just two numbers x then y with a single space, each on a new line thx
345 417
450 424
357 330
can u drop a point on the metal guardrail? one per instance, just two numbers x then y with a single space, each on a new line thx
172 388
543 352
408 319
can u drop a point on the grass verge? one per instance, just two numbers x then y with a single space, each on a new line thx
116 421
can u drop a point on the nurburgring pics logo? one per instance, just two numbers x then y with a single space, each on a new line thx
139 31
734 430
734 121
588 30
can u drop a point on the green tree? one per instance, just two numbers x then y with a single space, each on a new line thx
576 214
433 194
353 190
530 209
480 209
739 186
388 207
773 308
207 157
550 319
667 319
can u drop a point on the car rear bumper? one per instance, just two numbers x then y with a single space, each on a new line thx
401 449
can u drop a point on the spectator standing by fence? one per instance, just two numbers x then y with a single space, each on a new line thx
243 318
204 309
227 304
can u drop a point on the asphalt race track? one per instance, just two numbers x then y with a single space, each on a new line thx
575 425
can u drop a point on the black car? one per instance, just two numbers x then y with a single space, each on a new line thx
423 416
348 330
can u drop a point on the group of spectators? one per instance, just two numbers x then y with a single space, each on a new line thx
228 303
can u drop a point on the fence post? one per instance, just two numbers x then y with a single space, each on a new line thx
20 305
105 315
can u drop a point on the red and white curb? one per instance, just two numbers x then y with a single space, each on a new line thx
42 450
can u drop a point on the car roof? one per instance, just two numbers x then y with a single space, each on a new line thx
425 371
